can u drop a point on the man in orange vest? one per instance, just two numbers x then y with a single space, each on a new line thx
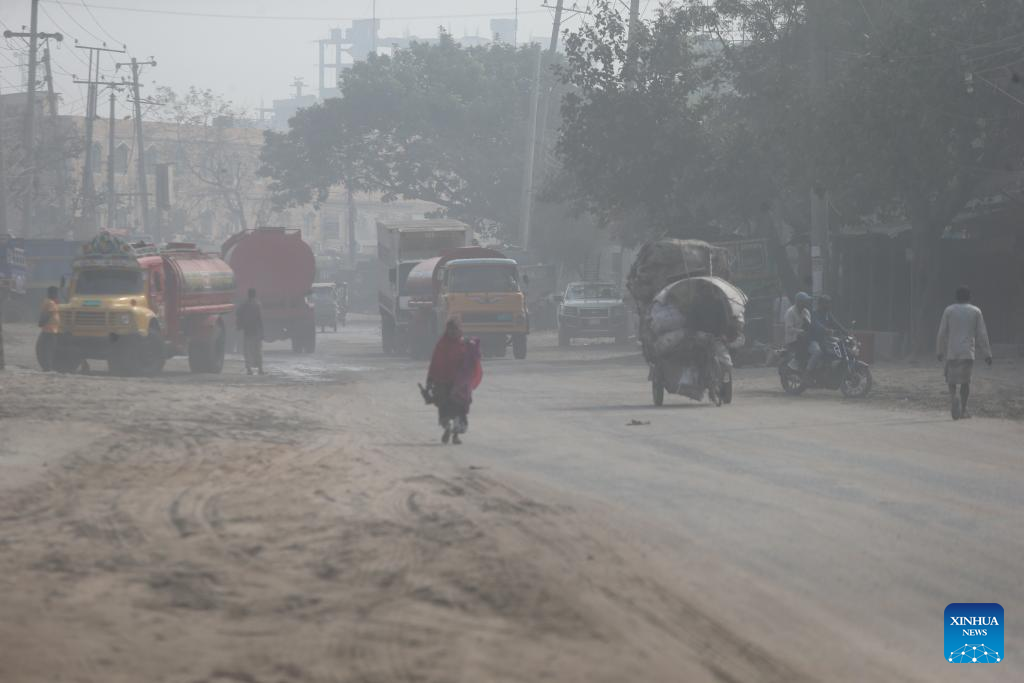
49 328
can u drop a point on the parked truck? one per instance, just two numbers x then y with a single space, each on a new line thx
135 306
280 266
481 288
400 247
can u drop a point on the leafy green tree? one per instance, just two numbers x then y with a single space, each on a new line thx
432 122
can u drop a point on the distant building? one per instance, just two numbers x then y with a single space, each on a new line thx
504 30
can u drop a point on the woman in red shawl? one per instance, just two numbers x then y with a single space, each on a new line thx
454 373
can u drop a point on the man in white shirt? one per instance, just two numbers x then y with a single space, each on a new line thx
961 333
797 319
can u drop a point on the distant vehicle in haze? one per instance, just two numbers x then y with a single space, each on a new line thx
401 246
477 286
591 309
280 266
327 305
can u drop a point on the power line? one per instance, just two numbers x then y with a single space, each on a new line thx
77 22
102 27
215 15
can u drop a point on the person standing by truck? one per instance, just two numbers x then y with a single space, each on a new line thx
249 319
49 328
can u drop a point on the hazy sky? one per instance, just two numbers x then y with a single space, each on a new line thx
250 56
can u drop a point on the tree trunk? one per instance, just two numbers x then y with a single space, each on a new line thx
925 287
787 276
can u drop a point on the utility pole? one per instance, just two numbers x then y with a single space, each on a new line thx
55 124
819 197
352 217
526 200
632 45
33 36
4 229
91 114
139 141
111 194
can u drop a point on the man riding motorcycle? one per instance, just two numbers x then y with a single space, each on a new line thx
797 322
822 329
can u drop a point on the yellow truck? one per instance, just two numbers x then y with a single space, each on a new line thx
135 306
477 286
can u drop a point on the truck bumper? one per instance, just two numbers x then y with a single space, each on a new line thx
97 347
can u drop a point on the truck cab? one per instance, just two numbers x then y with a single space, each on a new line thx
486 296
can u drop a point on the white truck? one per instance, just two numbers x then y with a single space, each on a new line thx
400 246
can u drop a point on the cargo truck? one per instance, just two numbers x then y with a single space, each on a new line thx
135 306
477 286
281 267
400 247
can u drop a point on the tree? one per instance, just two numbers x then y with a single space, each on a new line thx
633 154
212 152
432 122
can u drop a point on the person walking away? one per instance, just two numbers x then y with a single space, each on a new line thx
453 374
797 321
962 334
249 319
49 328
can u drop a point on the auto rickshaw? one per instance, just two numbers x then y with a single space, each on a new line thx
325 306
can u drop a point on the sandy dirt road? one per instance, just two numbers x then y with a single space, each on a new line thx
307 526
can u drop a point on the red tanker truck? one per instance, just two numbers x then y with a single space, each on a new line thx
281 267
135 306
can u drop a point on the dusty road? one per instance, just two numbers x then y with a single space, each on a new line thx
306 526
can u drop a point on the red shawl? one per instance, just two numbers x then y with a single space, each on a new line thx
447 360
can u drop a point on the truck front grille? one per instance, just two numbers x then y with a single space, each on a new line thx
594 312
89 319
487 317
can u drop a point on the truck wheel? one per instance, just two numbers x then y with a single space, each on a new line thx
65 358
519 346
311 340
563 337
387 333
217 348
207 355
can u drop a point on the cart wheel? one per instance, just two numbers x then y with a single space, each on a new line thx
658 392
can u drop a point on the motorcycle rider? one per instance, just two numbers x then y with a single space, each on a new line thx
823 326
797 325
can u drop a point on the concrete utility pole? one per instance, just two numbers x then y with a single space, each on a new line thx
111 194
33 36
526 200
4 228
139 140
632 45
353 216
91 114
51 98
819 197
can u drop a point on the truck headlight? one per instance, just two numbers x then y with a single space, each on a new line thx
125 320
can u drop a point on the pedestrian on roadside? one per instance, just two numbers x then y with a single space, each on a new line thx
249 319
49 328
962 333
454 373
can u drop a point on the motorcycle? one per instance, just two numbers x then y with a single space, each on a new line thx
840 369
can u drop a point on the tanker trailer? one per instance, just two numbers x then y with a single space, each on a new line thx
281 267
